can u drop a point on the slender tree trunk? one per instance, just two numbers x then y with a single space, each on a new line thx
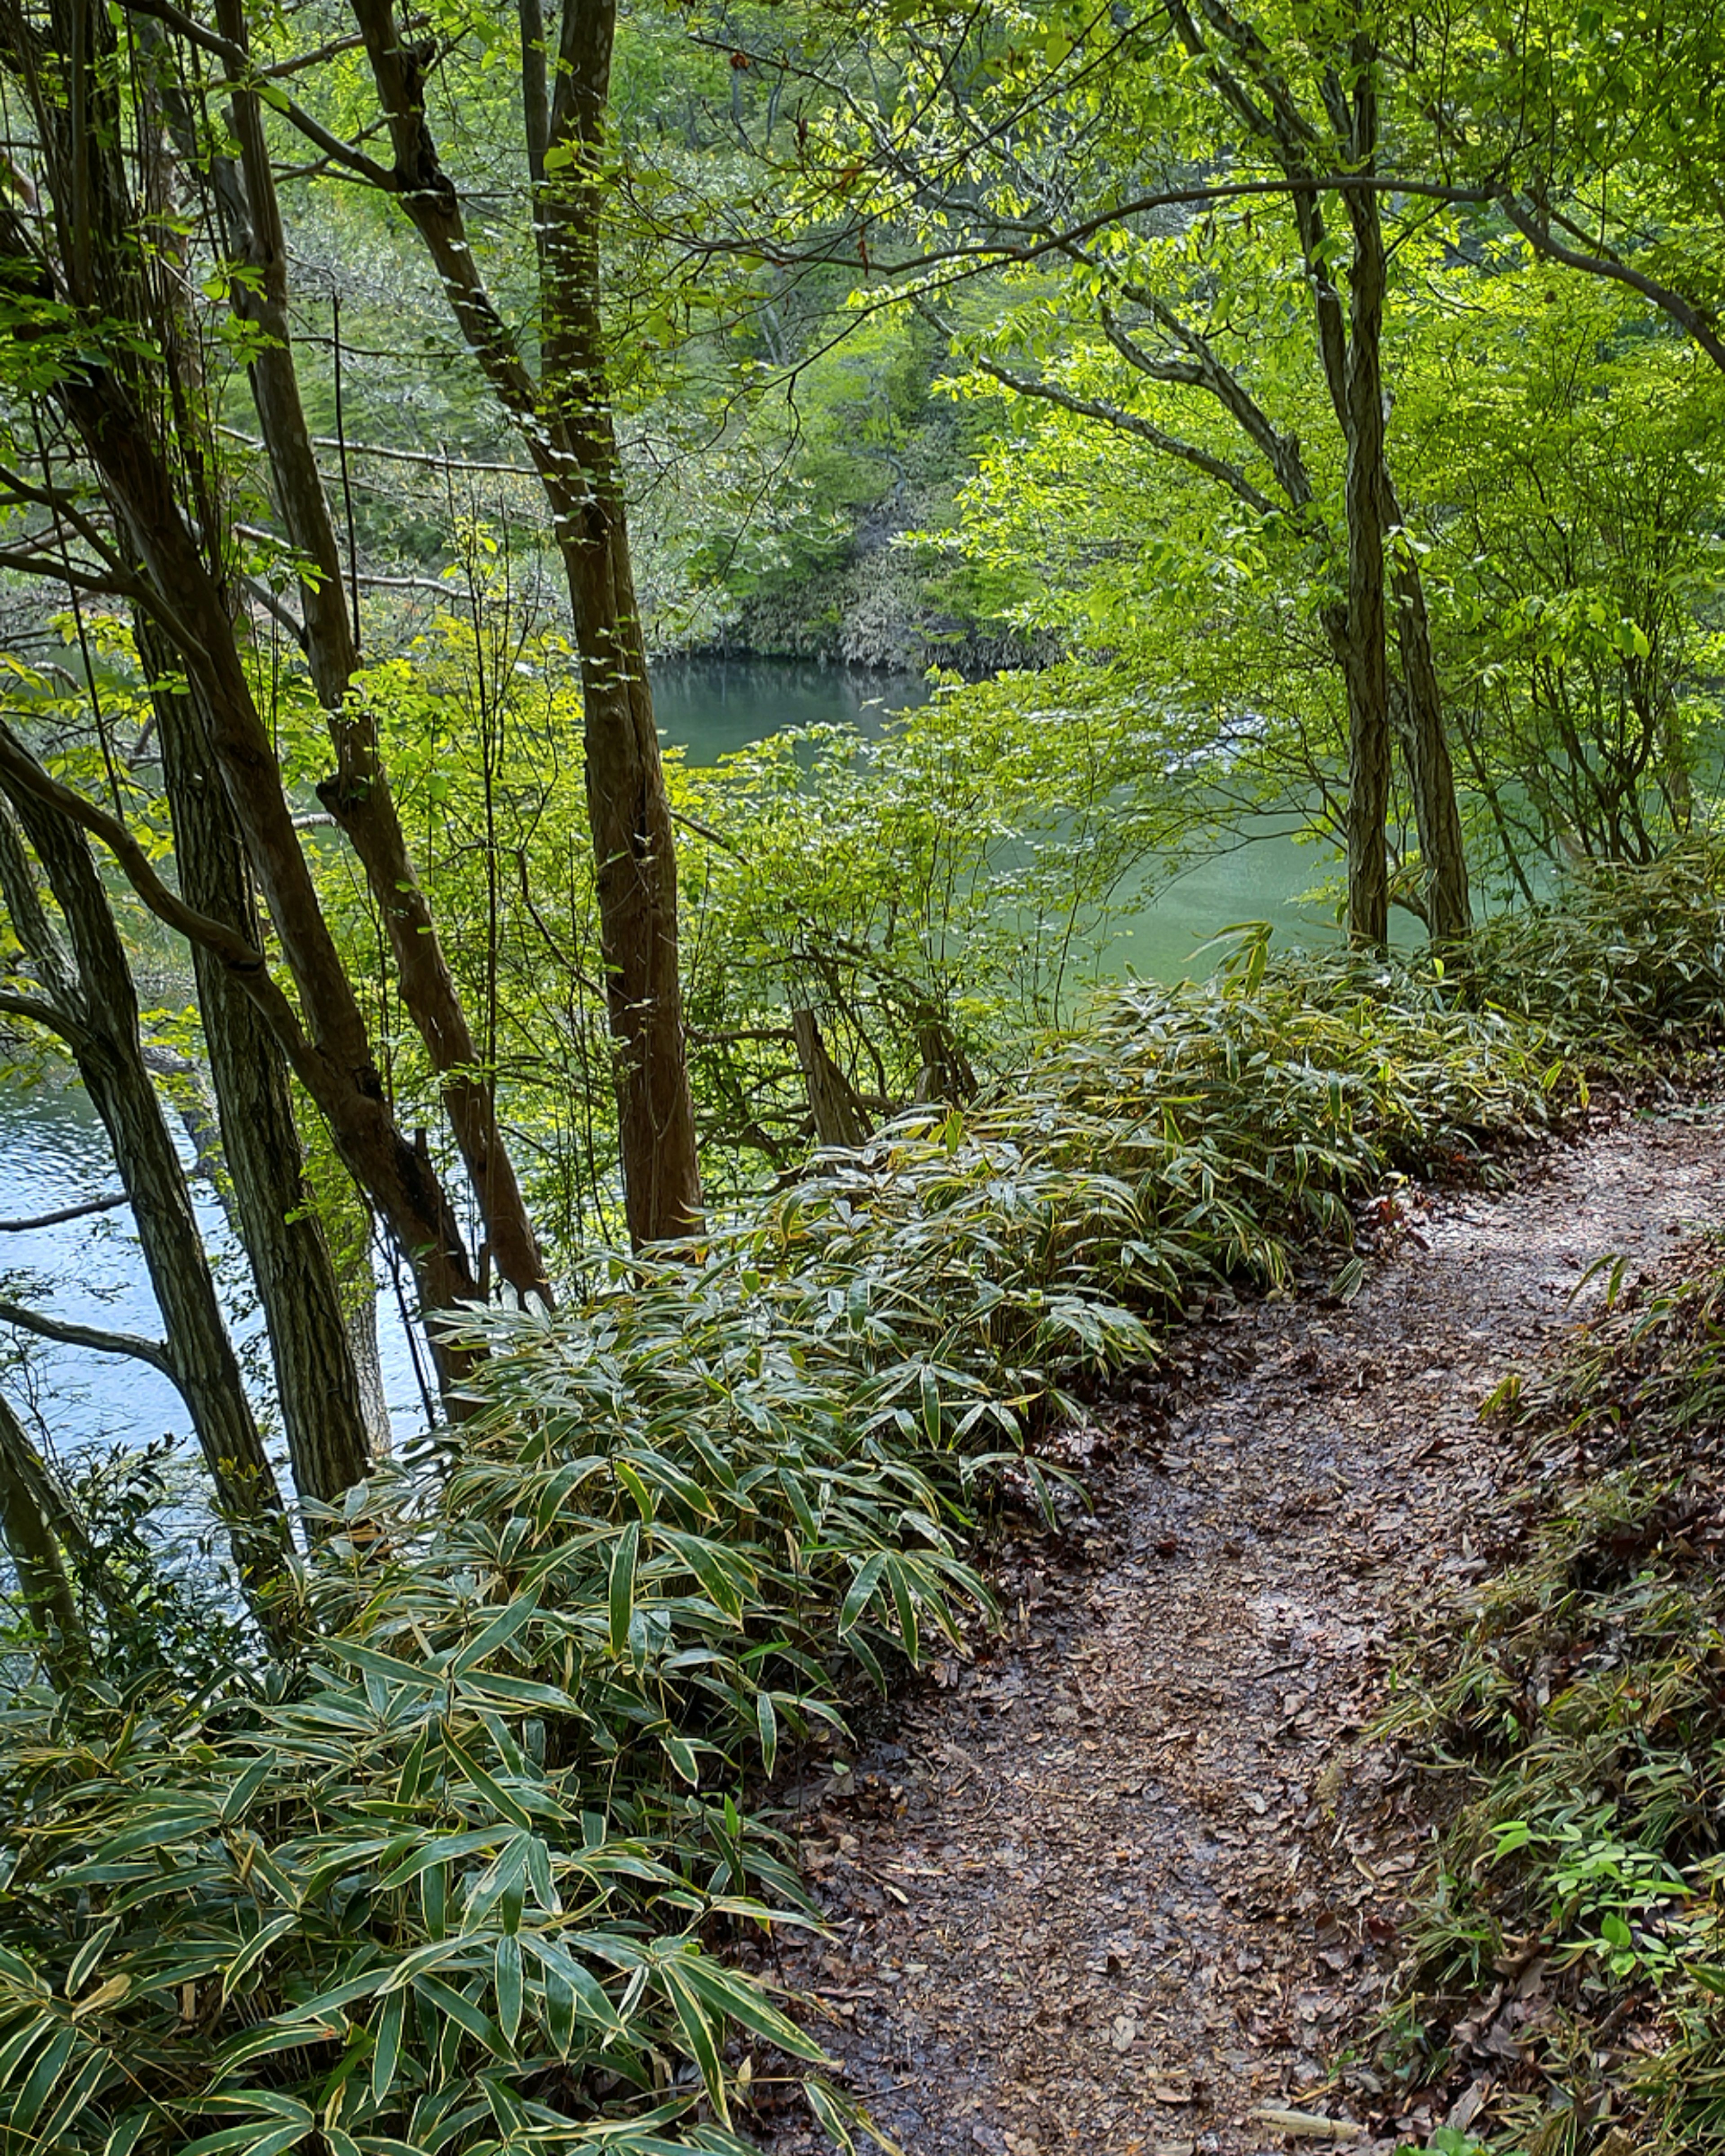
361 1321
317 1382
95 993
115 406
566 424
359 795
1366 657
628 811
27 1526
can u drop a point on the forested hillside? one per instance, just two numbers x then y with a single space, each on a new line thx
619 1231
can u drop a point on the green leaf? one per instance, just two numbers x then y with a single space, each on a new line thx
459 2008
500 1629
861 1592
387 2052
486 1785
623 1587
507 1980
767 1723
700 2034
254 1949
129 2129
88 1955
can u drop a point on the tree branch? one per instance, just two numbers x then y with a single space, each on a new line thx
104 1342
1699 325
239 63
1132 423
66 1214
18 765
42 1013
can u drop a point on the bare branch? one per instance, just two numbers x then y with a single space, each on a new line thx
39 1012
66 1214
104 1342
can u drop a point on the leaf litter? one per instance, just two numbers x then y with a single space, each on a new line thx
1132 1881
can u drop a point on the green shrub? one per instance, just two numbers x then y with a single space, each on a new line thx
459 1880
1574 1728
1623 957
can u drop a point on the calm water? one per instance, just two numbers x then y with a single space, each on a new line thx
54 1153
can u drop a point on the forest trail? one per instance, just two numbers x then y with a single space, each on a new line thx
1133 1875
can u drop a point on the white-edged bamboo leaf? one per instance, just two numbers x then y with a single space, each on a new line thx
388 1666
623 1586
28 2104
502 1628
129 2129
905 1601
484 1784
584 1988
386 2049
254 1949
732 1996
88 1955
703 2039
459 2008
862 1589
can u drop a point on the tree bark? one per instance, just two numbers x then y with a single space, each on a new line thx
359 794
628 810
839 1118
317 1382
567 426
1425 750
27 1524
1365 654
93 992
115 405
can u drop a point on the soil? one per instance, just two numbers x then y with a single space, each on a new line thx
1135 1874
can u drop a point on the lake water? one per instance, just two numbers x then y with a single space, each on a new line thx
54 1152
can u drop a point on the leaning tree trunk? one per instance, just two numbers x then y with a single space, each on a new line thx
95 993
316 1381
169 562
26 1528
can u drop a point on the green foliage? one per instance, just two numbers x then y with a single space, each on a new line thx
1568 453
458 1882
1624 957
458 1879
1575 1720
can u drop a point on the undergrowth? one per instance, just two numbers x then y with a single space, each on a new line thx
459 1877
1624 961
1571 1948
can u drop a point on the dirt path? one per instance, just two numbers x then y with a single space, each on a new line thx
1132 1877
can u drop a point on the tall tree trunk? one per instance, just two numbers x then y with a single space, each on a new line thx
95 993
116 405
317 1382
567 427
27 1526
1365 657
359 795
628 811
